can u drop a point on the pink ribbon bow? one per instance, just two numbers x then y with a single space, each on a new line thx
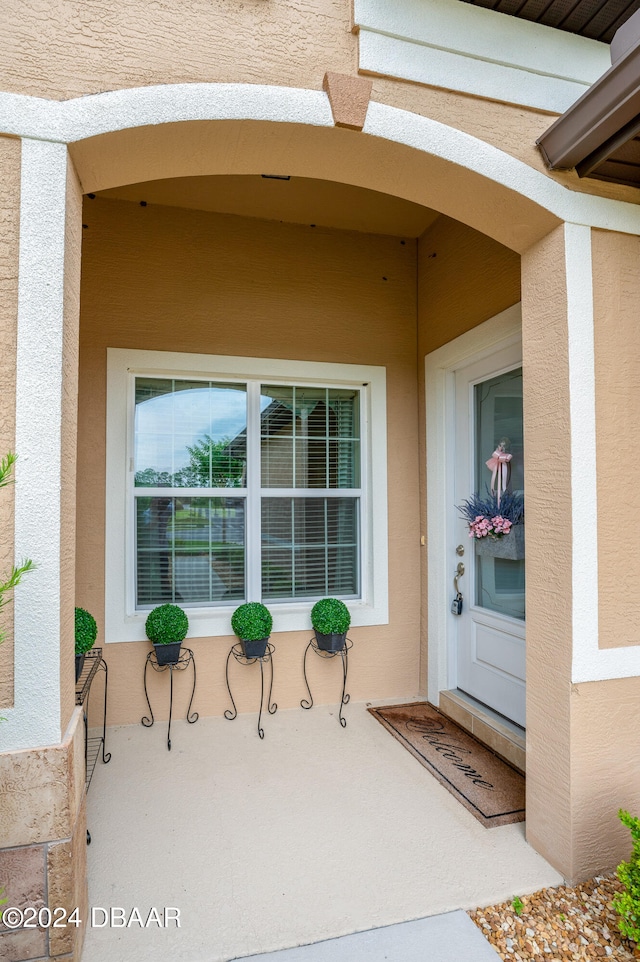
500 469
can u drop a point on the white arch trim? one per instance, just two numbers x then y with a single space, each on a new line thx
83 117
35 718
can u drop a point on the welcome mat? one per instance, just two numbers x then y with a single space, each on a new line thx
488 787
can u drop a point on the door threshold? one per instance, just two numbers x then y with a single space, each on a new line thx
499 734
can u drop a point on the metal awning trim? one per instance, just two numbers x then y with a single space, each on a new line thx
610 106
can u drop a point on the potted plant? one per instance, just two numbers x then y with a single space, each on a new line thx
86 632
496 523
330 619
166 628
252 623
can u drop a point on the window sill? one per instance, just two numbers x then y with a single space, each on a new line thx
208 623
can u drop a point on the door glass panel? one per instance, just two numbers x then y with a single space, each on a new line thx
498 421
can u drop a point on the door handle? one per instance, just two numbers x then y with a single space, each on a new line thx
459 573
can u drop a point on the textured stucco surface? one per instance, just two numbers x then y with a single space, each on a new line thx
616 271
349 98
548 562
511 128
174 280
39 527
605 747
35 794
108 46
464 278
73 245
41 790
9 241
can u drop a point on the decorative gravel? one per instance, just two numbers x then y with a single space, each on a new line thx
560 924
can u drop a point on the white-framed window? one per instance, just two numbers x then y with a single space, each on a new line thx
243 479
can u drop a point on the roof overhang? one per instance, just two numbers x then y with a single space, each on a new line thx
597 135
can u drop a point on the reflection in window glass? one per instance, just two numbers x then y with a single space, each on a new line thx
191 546
189 550
310 437
190 434
498 419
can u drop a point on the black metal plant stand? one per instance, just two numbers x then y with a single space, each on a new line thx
267 659
186 658
93 663
344 654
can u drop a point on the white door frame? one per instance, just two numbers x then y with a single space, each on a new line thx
500 331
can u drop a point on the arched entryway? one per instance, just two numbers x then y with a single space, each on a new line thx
131 137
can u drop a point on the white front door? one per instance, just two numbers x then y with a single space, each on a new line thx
490 642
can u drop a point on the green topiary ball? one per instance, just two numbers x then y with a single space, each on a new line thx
330 617
166 625
252 621
86 631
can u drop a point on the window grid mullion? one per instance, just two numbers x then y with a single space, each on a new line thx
311 493
210 566
327 476
294 472
173 554
293 546
253 525
363 516
326 548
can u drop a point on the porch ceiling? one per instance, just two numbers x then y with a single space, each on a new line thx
596 19
300 200
315 832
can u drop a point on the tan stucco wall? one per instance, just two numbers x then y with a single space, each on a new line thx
605 747
548 562
107 46
175 280
10 151
616 287
509 127
464 278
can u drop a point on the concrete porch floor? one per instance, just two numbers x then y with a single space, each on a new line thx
313 833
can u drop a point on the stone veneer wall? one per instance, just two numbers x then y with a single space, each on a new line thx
43 839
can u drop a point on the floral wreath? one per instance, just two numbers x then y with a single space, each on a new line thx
494 514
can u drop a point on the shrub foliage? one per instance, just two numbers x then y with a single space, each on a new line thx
330 617
86 631
166 625
252 621
12 580
627 903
